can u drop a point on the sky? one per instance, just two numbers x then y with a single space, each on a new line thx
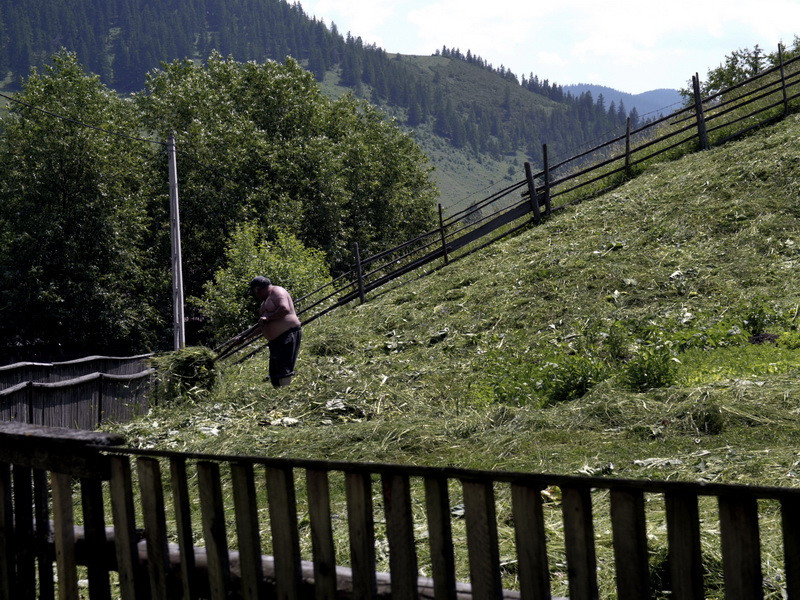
630 45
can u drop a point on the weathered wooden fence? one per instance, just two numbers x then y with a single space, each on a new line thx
80 393
133 518
703 123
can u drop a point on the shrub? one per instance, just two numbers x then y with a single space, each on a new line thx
226 305
572 378
652 367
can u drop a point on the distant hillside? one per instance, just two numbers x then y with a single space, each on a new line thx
457 100
648 104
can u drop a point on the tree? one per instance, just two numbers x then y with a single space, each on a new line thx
76 266
226 307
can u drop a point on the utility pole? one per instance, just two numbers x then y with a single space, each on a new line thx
179 332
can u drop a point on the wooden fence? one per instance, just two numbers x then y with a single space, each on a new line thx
81 393
704 123
112 516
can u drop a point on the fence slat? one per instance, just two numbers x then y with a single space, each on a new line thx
6 533
437 511
683 536
630 544
247 529
24 539
319 513
155 525
94 524
44 553
283 524
183 522
214 532
484 554
131 578
576 507
400 535
790 523
534 573
64 536
741 547
360 521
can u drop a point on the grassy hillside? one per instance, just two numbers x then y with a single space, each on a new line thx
616 339
693 256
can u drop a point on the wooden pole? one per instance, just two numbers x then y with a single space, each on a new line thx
444 239
783 80
628 147
532 193
179 333
359 273
698 108
546 164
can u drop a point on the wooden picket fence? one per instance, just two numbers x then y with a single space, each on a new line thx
702 124
58 486
82 393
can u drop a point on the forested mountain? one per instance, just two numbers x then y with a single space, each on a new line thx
122 40
648 105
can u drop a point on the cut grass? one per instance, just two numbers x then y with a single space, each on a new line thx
454 368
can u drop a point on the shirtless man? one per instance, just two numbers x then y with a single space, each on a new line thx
278 323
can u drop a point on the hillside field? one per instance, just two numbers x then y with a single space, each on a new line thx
648 333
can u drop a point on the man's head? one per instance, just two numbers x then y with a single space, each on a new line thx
259 286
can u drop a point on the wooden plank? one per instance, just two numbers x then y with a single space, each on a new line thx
576 508
790 523
94 527
214 531
360 520
24 533
64 536
534 572
440 537
155 525
247 529
533 195
683 535
7 566
285 538
400 535
630 544
44 552
741 547
131 580
484 554
183 522
319 513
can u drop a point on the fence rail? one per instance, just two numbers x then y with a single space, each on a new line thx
706 122
82 394
297 528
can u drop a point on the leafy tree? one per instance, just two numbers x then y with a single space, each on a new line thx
263 143
225 303
76 268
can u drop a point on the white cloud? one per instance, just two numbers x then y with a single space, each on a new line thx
633 45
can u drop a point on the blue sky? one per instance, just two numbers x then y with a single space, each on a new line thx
629 45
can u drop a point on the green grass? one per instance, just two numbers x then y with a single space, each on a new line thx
475 365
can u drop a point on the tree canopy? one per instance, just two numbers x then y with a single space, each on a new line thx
84 236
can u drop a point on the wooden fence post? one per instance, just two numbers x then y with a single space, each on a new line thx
532 193
359 273
783 80
546 164
441 231
698 108
628 147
